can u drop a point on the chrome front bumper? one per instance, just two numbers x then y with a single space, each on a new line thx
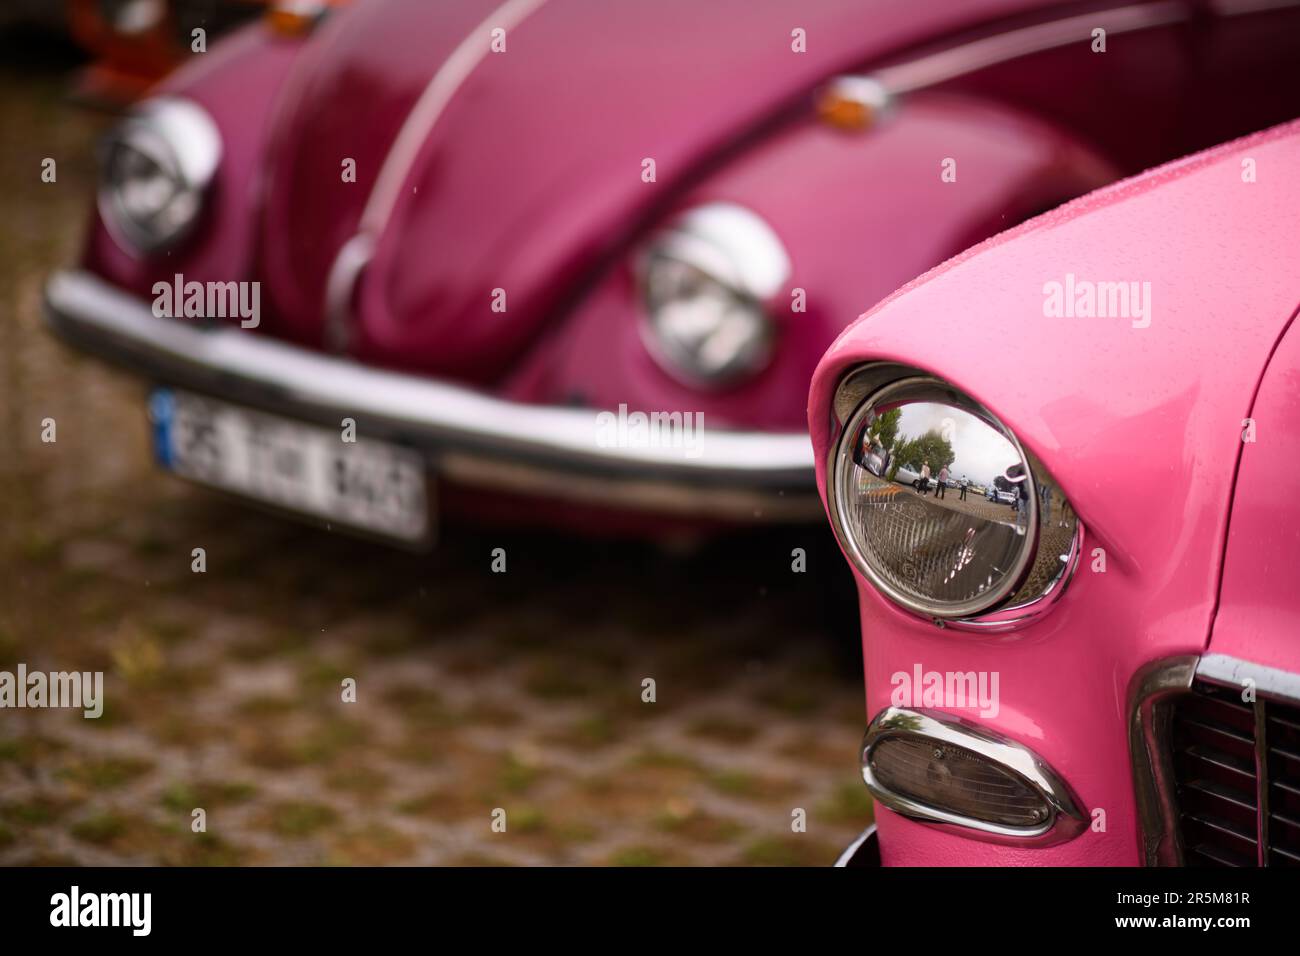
470 437
863 851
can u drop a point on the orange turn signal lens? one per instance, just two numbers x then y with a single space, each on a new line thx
853 103
843 113
295 18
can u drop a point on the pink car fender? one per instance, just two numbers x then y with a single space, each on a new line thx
237 83
1139 419
1259 616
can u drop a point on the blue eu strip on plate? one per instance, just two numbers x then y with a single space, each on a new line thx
161 406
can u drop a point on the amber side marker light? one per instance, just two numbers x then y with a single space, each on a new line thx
852 103
293 18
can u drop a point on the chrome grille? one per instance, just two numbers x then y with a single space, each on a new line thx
1237 777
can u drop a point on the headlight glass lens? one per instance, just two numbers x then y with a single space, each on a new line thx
704 283
149 190
934 500
701 326
155 171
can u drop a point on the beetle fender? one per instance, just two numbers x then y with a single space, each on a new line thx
860 214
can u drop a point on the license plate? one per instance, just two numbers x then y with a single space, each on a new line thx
367 484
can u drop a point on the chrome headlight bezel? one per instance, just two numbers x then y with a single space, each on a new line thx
1041 572
732 256
181 141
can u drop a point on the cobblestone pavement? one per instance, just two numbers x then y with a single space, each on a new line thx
475 691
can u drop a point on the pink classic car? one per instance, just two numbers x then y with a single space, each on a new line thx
1147 416
589 253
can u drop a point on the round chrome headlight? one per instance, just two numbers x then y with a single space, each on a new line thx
939 506
704 284
155 171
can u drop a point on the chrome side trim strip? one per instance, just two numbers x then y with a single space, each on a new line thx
1066 819
767 471
355 254
1151 692
977 55
429 108
945 65
340 287
1268 681
1238 8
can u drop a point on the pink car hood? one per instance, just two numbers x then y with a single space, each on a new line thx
1141 426
532 169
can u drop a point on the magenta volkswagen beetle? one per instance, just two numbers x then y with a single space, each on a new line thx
1110 672
404 256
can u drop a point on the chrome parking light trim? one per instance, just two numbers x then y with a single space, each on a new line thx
731 474
1066 819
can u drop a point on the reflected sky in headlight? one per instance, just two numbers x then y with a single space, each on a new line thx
981 452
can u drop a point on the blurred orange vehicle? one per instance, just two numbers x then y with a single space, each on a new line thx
137 42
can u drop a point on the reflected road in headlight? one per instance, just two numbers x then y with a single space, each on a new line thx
940 506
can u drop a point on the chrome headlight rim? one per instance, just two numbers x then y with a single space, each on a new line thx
1013 604
733 248
182 140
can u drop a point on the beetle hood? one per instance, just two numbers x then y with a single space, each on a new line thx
495 153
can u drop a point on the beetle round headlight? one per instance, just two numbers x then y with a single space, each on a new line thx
938 505
155 170
704 282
